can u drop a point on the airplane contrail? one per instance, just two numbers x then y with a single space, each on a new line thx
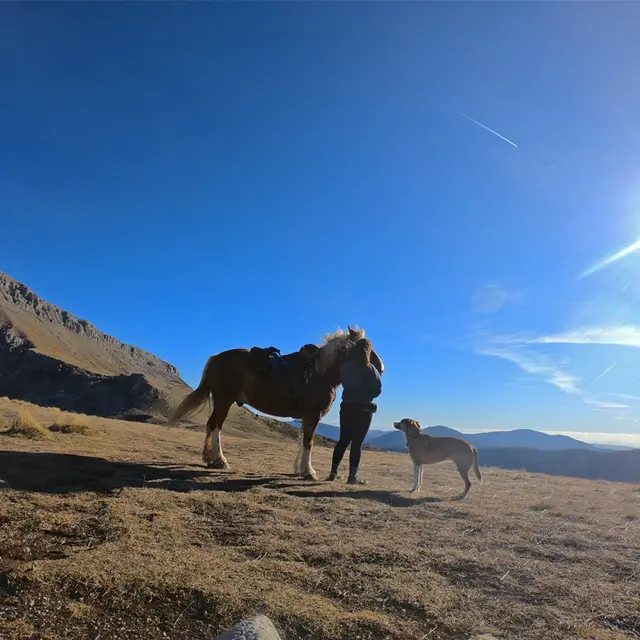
610 260
484 126
604 373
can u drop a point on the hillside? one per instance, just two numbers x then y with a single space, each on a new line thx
76 366
121 533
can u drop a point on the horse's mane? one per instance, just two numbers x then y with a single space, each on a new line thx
331 345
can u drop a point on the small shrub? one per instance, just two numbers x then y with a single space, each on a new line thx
70 424
26 426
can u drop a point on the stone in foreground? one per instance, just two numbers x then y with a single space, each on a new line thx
255 628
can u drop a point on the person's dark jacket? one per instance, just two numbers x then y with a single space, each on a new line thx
360 383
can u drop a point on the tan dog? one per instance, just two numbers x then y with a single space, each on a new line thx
427 449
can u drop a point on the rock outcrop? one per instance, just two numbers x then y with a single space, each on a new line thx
50 357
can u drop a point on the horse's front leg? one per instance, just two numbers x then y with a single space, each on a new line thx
308 432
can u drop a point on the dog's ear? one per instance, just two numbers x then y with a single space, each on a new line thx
416 424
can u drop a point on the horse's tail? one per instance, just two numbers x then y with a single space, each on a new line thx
195 400
476 469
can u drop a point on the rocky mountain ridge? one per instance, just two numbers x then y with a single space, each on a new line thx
22 297
50 357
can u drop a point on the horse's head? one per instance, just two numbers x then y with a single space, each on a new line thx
376 360
336 347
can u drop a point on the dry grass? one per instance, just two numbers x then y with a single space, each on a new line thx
24 425
76 424
123 534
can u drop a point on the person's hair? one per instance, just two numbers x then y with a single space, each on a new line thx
361 351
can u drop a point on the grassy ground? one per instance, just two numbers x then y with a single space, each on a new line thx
119 532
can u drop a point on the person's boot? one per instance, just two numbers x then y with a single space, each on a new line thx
334 474
353 477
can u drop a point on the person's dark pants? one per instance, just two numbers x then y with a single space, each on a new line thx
355 420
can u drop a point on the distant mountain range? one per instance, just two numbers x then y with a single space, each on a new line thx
516 438
616 466
333 432
526 450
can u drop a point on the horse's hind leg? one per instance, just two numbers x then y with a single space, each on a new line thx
463 470
212 453
303 458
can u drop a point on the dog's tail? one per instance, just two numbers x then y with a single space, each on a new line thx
476 469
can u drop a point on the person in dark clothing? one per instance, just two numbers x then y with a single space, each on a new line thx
360 385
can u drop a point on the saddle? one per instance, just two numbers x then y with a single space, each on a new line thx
294 369
298 366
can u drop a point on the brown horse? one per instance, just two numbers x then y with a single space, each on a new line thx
235 376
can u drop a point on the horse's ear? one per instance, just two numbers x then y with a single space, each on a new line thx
353 333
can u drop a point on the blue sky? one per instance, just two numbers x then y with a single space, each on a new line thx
192 177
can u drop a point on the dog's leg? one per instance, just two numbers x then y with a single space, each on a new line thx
417 472
421 469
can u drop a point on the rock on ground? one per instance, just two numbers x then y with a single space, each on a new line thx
255 628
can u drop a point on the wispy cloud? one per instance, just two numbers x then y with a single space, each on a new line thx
627 396
610 260
484 126
530 363
606 405
523 351
621 335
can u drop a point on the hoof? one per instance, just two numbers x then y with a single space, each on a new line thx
220 464
310 476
